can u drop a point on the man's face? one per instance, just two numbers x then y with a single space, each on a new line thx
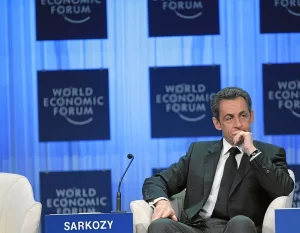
234 116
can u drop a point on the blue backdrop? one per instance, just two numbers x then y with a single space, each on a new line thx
128 52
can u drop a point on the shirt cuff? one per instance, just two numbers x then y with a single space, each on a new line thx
152 203
255 156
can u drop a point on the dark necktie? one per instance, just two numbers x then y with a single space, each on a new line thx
220 210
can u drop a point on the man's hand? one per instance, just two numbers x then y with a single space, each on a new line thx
163 209
244 139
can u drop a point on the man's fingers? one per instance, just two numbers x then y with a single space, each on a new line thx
241 133
173 217
163 211
236 132
157 215
239 137
166 214
236 138
154 218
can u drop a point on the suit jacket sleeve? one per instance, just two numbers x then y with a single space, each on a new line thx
169 182
270 168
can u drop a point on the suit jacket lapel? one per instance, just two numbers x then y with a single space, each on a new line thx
242 171
210 166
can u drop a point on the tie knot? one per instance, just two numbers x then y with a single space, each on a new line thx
233 151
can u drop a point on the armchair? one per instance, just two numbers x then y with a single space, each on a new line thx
19 213
142 212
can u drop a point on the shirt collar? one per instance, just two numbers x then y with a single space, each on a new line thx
227 146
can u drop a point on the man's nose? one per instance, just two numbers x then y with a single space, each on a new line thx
237 123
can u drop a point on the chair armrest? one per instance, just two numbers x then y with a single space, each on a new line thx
269 218
32 219
142 214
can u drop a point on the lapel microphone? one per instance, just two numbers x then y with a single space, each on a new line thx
118 209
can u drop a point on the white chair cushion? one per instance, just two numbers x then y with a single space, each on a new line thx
142 213
18 210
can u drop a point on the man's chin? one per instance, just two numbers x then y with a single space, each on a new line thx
229 140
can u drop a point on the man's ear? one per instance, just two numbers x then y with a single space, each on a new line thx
216 124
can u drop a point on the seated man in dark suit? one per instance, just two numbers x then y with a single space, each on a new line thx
229 183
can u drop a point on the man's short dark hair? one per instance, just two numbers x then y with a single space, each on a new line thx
229 93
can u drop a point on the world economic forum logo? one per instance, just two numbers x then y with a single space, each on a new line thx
184 9
76 104
292 6
287 96
76 200
73 11
188 101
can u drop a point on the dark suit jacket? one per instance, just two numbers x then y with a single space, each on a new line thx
256 184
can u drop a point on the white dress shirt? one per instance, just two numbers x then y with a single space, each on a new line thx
209 205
